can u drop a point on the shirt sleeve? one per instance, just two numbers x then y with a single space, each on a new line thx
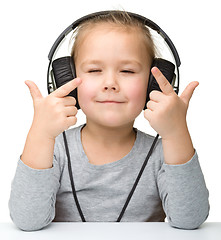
183 193
33 196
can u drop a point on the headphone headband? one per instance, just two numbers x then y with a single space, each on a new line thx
145 20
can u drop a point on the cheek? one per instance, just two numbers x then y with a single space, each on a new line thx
86 92
137 94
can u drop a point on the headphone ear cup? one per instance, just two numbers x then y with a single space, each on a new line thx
167 68
64 71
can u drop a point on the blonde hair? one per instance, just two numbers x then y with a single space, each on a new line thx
119 19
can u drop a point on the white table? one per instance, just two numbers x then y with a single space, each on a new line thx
112 231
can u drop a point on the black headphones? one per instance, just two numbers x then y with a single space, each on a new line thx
62 70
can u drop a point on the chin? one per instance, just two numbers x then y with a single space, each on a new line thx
110 118
114 122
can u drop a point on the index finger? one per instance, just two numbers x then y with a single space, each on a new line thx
164 84
65 89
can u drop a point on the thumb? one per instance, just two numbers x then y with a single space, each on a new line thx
188 91
35 92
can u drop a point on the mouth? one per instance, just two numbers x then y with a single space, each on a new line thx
110 102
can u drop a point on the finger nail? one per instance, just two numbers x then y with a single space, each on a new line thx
26 83
77 79
154 70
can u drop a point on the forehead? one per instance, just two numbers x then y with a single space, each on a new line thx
127 40
102 29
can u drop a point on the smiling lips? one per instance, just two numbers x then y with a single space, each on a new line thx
110 101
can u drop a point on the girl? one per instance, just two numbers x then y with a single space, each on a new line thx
113 56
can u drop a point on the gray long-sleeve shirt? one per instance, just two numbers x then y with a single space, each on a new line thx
177 192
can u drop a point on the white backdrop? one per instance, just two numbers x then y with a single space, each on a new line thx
28 30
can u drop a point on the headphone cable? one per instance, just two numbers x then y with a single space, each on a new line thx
131 192
71 179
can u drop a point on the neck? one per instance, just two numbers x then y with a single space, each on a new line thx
109 136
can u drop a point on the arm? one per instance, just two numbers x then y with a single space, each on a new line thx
36 182
178 149
183 192
181 183
38 150
33 195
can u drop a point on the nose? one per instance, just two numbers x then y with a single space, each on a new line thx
111 83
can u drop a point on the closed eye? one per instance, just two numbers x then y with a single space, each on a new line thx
127 71
94 70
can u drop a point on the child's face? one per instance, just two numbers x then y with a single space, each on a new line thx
114 68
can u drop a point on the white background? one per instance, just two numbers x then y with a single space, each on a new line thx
28 30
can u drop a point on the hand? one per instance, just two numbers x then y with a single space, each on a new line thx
56 112
166 111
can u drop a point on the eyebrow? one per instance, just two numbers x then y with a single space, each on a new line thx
126 61
130 62
91 62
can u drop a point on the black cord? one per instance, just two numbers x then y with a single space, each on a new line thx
138 178
71 179
131 192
